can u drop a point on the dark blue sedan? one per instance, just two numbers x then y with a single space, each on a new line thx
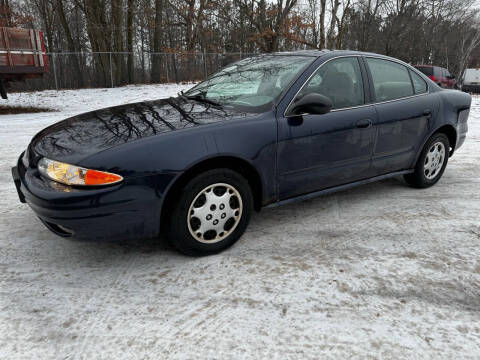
264 131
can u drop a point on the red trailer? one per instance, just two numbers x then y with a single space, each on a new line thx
22 56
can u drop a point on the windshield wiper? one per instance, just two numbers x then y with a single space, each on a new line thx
199 97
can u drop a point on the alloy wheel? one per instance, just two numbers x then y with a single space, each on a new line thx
214 213
434 160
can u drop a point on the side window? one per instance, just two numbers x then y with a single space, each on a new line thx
340 80
390 80
419 85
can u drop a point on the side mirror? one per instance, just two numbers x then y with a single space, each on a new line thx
313 103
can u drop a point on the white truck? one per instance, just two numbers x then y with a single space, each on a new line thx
471 81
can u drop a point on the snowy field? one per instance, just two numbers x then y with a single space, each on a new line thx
379 271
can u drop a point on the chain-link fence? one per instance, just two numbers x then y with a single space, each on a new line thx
112 69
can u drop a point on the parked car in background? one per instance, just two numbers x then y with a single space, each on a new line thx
265 131
471 80
439 75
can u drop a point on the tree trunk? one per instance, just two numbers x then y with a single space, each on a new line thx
333 21
117 24
130 14
157 42
6 14
70 43
341 25
99 36
323 4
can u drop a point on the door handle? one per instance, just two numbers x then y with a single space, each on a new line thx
427 113
363 124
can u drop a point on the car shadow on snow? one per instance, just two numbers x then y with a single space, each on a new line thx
263 219
262 253
265 231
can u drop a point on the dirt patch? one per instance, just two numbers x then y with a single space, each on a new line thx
7 110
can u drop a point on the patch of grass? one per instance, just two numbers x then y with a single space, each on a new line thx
8 110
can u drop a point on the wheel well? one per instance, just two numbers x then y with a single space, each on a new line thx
451 134
228 162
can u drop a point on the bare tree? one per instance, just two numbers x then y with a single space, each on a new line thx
130 30
117 35
439 32
157 41
75 60
268 20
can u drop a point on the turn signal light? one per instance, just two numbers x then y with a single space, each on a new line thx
75 175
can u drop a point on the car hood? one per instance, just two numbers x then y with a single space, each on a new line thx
80 136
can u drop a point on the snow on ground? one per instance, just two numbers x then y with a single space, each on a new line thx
382 270
71 101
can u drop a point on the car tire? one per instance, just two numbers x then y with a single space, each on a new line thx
432 162
212 212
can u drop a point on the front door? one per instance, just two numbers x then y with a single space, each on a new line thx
320 151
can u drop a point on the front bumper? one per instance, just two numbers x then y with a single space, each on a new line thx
17 181
129 210
471 88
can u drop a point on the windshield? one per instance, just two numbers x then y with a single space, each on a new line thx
251 84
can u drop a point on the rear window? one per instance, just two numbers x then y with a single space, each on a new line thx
390 80
419 85
427 70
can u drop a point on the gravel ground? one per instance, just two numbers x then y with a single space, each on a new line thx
379 271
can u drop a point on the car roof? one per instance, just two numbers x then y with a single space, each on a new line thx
332 53
322 52
314 53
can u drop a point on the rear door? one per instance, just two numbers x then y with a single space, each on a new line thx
404 107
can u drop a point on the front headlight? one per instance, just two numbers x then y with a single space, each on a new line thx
75 175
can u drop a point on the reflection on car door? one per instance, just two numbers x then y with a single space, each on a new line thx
404 108
320 151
